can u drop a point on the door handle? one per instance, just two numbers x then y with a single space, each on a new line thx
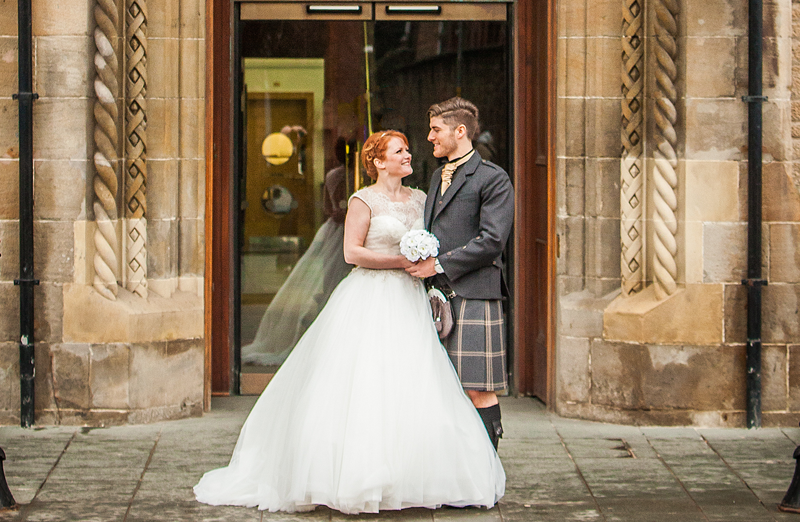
413 9
333 9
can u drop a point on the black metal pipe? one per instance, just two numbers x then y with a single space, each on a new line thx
754 282
26 282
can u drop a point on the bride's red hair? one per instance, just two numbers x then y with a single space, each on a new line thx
375 148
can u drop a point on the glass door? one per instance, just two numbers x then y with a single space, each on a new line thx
314 81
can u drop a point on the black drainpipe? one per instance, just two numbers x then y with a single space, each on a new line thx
754 282
26 282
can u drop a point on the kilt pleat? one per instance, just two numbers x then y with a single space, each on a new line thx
477 344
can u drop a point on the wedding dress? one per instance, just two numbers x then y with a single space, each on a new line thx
367 412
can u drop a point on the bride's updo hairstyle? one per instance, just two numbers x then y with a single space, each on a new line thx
375 148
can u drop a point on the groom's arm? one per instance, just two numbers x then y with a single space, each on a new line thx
496 218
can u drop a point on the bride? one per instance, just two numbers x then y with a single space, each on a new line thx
367 412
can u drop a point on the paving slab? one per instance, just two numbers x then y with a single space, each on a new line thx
448 514
169 511
556 512
557 470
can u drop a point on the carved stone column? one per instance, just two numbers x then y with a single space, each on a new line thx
664 190
665 177
106 117
632 173
136 147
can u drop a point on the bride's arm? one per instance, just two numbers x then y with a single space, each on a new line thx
356 226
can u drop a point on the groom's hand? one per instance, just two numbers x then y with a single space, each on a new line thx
423 268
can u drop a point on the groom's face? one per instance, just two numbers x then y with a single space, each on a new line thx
442 137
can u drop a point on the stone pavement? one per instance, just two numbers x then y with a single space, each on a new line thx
558 470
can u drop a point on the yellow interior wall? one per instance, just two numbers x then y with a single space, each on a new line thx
279 75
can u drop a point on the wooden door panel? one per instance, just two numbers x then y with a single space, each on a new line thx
219 207
533 225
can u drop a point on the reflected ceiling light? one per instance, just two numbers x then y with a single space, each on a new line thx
277 148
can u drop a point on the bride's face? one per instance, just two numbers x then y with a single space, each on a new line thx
398 159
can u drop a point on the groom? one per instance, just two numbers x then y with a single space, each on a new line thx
470 208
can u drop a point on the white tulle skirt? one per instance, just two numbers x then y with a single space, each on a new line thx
366 414
300 298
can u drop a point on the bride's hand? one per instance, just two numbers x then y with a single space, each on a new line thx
405 263
423 269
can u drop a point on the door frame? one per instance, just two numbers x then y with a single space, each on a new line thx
220 209
219 214
526 158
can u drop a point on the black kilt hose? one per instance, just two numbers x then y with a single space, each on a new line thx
477 344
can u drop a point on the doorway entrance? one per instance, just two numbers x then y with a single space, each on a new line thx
307 84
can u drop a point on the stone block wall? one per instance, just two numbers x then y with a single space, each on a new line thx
587 149
678 358
176 98
98 360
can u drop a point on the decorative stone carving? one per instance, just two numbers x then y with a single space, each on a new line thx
136 147
632 173
106 116
665 177
663 50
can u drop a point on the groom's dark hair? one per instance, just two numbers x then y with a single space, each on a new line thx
457 111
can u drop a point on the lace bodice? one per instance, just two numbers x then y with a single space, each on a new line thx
389 220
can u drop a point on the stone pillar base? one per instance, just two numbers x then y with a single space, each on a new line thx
692 316
121 362
89 317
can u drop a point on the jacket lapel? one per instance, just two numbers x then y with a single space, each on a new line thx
433 191
460 177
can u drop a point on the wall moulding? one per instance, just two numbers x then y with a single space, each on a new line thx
655 304
674 320
649 137
91 318
136 147
108 249
106 260
632 171
128 318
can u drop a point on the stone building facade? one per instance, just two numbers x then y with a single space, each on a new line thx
119 173
650 214
652 310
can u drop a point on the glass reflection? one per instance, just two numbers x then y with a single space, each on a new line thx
306 84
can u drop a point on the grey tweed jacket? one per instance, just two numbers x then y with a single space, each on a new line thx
473 222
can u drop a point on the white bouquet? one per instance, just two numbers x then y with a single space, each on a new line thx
419 244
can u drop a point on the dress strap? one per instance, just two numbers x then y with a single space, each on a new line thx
364 196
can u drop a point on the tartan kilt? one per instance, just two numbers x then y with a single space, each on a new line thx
477 344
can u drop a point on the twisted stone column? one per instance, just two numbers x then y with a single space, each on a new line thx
632 165
136 147
106 116
665 177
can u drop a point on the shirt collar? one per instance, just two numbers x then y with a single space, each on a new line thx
463 159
